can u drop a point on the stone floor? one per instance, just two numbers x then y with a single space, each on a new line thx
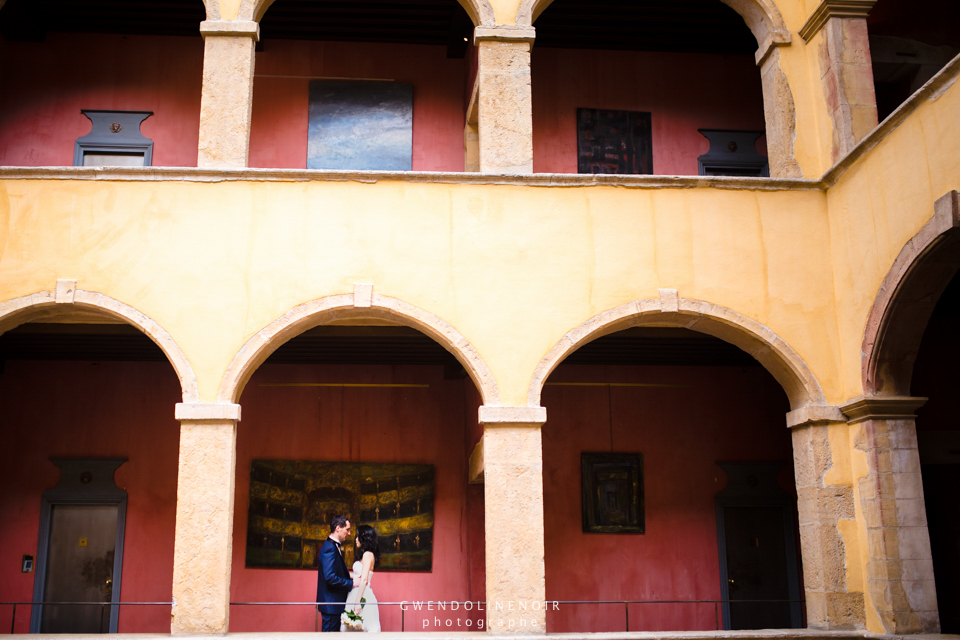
778 634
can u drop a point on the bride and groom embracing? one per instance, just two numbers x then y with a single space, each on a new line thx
353 607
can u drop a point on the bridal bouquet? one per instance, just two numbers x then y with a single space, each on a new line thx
351 620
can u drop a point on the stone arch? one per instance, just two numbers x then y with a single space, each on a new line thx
762 16
905 302
67 297
479 11
213 9
362 304
779 109
770 350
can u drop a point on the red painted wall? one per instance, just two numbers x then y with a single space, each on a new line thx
683 91
412 425
78 409
280 105
713 414
46 84
83 410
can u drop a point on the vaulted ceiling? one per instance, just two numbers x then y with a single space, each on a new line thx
652 25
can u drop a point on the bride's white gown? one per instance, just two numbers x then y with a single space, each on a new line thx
371 611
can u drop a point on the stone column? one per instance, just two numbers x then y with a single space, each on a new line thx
203 544
846 71
779 111
900 569
226 102
505 109
826 507
513 508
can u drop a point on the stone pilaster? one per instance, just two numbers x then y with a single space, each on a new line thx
780 114
504 100
513 507
900 570
226 102
203 543
846 70
821 507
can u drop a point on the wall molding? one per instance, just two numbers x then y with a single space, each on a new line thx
834 9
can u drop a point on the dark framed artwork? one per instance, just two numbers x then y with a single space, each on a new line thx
611 141
612 485
292 503
360 125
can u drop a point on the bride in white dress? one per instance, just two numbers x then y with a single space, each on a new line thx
368 550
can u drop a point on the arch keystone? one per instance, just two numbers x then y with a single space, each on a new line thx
65 291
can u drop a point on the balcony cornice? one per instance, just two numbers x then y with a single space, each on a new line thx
191 174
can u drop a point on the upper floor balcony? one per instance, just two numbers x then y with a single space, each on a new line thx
747 88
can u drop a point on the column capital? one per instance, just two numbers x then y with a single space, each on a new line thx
863 408
234 28
512 416
834 9
207 411
505 33
812 414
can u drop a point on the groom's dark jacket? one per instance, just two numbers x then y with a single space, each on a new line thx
334 582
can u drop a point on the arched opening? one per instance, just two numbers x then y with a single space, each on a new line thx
88 388
667 465
909 350
353 410
64 57
909 44
361 85
648 87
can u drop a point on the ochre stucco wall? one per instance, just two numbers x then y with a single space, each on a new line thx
512 268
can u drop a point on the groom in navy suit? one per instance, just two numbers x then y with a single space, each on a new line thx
334 582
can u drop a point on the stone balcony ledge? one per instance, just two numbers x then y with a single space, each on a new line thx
193 174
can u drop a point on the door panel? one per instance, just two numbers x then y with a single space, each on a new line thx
757 567
79 568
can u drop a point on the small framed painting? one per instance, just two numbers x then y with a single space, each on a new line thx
612 485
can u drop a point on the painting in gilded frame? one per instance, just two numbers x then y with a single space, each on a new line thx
292 503
612 492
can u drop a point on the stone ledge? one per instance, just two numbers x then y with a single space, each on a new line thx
814 414
227 174
230 28
774 39
834 9
207 411
505 33
881 408
512 415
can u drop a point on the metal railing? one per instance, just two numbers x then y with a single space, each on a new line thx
103 607
418 605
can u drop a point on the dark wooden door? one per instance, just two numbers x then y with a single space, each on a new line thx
80 569
757 567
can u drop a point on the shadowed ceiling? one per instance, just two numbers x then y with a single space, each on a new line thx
646 25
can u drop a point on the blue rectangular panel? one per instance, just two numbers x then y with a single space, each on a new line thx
360 125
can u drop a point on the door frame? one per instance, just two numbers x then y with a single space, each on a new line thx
83 482
763 492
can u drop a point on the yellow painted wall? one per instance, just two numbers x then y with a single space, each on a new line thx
513 268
